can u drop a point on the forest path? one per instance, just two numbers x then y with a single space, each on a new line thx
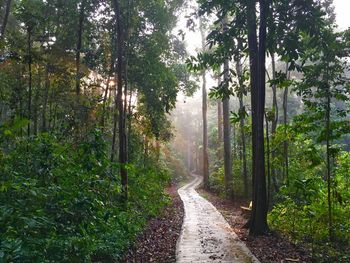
205 235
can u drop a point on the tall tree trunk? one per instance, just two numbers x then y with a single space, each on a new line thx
204 116
104 102
274 122
129 124
46 96
119 102
329 172
220 131
79 46
125 110
110 73
220 127
49 125
227 139
258 221
242 124
268 161
285 142
35 112
4 21
29 53
115 124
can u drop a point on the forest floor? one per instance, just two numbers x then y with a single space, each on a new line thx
157 243
268 249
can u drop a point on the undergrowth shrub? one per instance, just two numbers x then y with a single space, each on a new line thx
61 201
301 209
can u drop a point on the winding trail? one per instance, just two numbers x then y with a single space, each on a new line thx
205 235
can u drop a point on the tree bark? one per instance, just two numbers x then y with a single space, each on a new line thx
29 51
220 131
258 220
4 21
204 116
110 73
285 142
46 96
268 161
242 124
79 46
119 102
227 139
274 122
329 172
115 123
220 127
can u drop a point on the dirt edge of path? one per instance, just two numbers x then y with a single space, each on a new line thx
268 249
157 243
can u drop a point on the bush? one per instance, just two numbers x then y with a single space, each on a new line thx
301 210
61 201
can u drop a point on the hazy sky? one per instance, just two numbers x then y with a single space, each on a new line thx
342 9
193 39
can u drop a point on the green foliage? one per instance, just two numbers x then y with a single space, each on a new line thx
60 202
301 209
217 181
176 167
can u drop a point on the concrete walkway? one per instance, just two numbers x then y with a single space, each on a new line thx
206 236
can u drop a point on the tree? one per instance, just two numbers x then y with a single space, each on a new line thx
241 90
204 114
257 49
5 19
119 100
322 86
82 10
227 137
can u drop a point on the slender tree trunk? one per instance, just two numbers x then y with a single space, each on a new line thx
220 131
125 110
204 116
110 73
104 102
268 162
234 141
129 149
50 113
35 112
79 46
242 124
54 117
29 51
120 104
46 96
258 221
4 21
274 122
274 97
220 127
115 123
285 142
329 172
227 139
20 101
146 146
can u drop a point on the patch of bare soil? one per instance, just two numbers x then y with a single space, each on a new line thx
158 241
268 249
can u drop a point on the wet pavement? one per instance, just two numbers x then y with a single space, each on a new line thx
205 235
